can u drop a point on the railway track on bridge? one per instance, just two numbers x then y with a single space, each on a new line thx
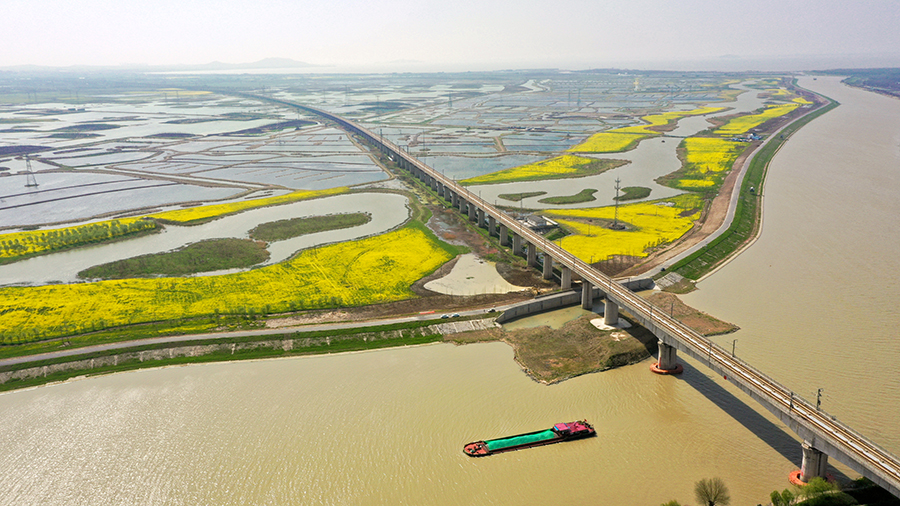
844 443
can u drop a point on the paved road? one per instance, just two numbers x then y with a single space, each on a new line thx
124 345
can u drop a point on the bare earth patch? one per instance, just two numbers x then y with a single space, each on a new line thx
693 318
550 356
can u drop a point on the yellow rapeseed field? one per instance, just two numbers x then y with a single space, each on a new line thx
742 124
18 244
625 138
371 270
651 224
215 210
554 168
609 142
706 161
707 154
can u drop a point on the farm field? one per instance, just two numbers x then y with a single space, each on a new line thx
368 271
511 136
562 167
648 225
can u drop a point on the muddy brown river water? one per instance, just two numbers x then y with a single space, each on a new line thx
815 297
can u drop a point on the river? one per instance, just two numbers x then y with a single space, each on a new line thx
815 297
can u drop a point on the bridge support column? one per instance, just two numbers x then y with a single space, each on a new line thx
587 295
548 266
610 312
462 205
814 465
668 360
492 225
531 255
479 217
472 212
565 277
440 189
517 244
454 200
504 235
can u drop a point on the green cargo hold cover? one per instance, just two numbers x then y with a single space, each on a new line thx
499 444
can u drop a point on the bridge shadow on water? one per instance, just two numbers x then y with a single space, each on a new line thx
777 436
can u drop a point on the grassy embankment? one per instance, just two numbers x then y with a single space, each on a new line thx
633 193
586 195
296 227
747 213
203 256
516 197
222 350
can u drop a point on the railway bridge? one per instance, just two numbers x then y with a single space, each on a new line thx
822 434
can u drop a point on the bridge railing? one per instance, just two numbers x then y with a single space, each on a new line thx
766 387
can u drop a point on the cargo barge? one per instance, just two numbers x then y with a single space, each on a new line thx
556 434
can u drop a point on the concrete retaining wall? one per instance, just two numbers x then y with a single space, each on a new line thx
563 299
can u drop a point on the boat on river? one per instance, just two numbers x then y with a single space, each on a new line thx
556 434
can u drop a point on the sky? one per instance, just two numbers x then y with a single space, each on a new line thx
460 35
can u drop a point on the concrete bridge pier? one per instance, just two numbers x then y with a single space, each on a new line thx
462 205
548 266
479 217
504 235
472 214
492 225
668 360
814 465
531 255
587 295
565 277
610 312
454 200
517 244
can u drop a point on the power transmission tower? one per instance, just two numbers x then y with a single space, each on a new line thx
30 181
616 215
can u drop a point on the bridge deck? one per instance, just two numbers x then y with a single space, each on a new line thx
824 432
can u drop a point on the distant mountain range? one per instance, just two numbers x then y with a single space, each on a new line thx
266 63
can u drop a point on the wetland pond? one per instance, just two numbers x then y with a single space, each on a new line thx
388 210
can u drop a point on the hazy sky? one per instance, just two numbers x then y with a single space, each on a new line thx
453 35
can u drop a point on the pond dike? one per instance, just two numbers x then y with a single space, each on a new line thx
270 348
